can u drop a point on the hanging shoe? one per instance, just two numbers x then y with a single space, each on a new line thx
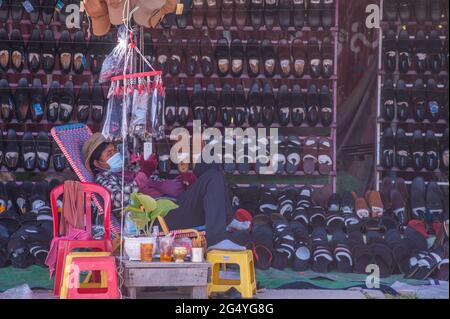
417 150
223 57
254 101
12 150
226 105
67 102
237 57
299 55
299 13
421 52
312 106
404 52
199 103
269 58
325 106
43 148
184 105
390 51
83 103
388 96
240 13
211 105
253 56
240 115
17 51
298 105
284 14
34 51
403 101
418 191
4 11
176 57
48 51
431 151
193 56
37 101
401 150
212 13
162 47
28 151
198 13
170 105
4 50
444 151
328 13
327 58
2 148
314 57
59 160
435 45
390 12
6 100
22 100
149 50
48 10
388 143
421 10
270 13
404 10
79 53
314 13
206 54
434 101
418 97
436 12
256 13
52 101
226 12
16 10
268 105
98 103
283 105
284 57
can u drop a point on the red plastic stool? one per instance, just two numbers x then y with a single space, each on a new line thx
105 264
65 247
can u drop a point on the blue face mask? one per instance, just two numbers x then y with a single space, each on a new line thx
115 163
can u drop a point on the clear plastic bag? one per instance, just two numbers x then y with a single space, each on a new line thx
118 106
156 114
114 62
138 122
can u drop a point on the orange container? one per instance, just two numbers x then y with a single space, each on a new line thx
146 252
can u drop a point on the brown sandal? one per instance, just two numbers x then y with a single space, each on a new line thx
373 198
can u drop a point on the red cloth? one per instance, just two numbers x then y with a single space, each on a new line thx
419 225
72 215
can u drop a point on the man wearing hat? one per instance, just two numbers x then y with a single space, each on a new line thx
202 196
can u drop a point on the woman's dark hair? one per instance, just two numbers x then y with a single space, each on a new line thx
97 153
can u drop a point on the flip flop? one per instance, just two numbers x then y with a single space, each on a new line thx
303 252
311 153
361 207
280 157
317 217
324 156
284 242
373 199
268 202
322 252
342 252
293 154
286 202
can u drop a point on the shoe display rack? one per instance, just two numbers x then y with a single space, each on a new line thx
276 56
48 77
412 106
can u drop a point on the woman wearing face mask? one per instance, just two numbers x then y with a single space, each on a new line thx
202 197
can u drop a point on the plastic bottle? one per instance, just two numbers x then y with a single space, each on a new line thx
130 227
155 234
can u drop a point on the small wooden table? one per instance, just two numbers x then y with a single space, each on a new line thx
185 276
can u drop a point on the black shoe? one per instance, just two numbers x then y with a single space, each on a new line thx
17 51
388 100
59 160
298 105
35 13
270 10
67 102
404 10
176 56
184 105
43 148
421 10
6 101
401 149
268 105
170 105
199 103
314 13
193 56
314 57
404 52
223 57
444 151
226 105
12 149
149 51
403 101
98 103
4 11
436 11
284 58
421 48
16 10
326 106
254 101
48 51
390 51
417 150
37 101
253 56
22 100
435 47
283 105
299 13
182 19
327 58
239 106
328 13
269 58
388 148
237 57
256 13
211 105
65 48
431 151
53 101
390 12
206 56
28 151
34 51
312 106
284 14
79 53
48 10
434 101
419 100
5 54
83 103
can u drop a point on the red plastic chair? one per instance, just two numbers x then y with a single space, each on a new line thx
67 246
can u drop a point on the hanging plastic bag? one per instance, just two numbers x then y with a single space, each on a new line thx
138 123
114 62
118 106
156 116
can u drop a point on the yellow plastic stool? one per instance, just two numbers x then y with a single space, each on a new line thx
246 284
66 273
